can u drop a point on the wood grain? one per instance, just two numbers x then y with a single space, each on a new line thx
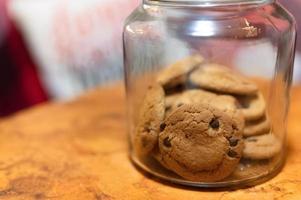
78 150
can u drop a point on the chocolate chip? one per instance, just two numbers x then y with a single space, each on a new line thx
233 142
162 127
214 123
149 87
166 142
232 154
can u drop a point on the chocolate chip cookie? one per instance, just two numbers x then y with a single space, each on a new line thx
150 118
257 127
253 107
198 142
219 78
261 147
195 96
176 74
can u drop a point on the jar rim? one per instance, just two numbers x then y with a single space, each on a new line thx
208 3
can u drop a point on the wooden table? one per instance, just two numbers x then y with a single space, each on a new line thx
78 150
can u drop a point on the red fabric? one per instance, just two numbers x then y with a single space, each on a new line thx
19 83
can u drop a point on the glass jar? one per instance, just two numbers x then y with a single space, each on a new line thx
208 86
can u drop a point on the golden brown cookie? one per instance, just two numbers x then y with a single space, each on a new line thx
261 147
176 74
195 96
257 127
221 79
150 118
253 107
198 142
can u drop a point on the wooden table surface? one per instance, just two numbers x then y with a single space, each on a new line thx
78 150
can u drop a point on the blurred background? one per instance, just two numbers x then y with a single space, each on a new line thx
57 49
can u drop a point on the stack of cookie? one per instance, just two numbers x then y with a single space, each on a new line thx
200 118
260 143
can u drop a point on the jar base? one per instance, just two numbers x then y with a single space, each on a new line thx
152 167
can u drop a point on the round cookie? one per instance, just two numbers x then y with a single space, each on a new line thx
151 116
195 96
257 127
253 107
219 78
261 147
198 142
176 74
